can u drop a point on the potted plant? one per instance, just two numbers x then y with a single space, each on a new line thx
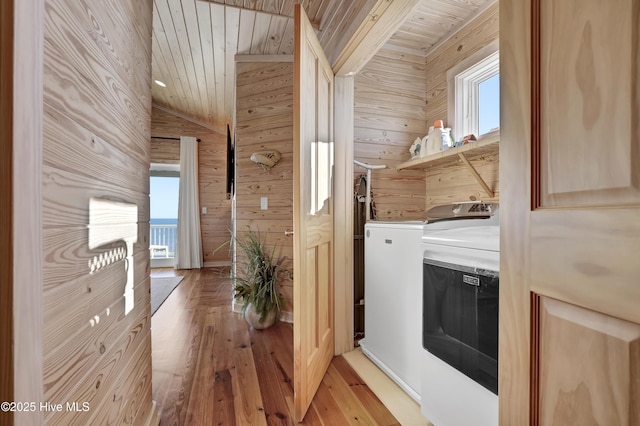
255 281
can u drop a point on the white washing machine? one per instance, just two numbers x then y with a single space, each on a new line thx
459 362
393 288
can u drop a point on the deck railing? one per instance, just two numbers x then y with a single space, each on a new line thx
162 241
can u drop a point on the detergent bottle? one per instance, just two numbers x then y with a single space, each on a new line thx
438 139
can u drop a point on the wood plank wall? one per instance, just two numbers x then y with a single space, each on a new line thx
264 121
96 132
390 111
449 183
212 168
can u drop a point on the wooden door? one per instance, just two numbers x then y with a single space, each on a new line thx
570 216
313 335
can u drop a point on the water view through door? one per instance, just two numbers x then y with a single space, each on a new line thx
163 222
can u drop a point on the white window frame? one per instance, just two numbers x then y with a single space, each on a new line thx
463 81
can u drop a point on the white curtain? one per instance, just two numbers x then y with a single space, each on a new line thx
189 244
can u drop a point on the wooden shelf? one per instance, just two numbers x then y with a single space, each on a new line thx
485 146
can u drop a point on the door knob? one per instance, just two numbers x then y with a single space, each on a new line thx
288 232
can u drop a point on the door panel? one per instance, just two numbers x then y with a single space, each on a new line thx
570 209
313 335
590 367
589 103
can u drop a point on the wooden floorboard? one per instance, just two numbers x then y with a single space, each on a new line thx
211 368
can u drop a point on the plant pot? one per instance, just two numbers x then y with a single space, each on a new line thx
253 318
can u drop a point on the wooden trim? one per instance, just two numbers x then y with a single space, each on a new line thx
401 405
314 24
154 415
452 72
170 139
186 117
535 104
6 214
459 27
515 218
217 264
534 366
489 145
476 175
27 205
343 214
263 58
383 21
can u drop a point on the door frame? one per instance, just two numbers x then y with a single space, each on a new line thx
354 56
6 215
25 149
343 129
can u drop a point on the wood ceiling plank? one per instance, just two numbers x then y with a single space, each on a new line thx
174 52
260 33
193 38
275 36
208 63
286 46
287 7
232 20
271 6
247 21
313 9
184 47
193 54
219 46
172 95
385 18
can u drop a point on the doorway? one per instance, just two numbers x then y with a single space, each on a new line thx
163 215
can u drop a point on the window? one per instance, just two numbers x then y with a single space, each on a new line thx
476 100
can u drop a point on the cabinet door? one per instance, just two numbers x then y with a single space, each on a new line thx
570 217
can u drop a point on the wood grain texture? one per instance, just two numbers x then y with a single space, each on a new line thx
586 95
389 115
592 256
194 44
96 130
26 203
313 214
515 133
454 182
473 37
431 21
343 215
382 21
6 214
212 166
589 367
446 184
203 353
264 121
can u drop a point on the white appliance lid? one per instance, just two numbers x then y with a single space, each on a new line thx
477 237
407 224
462 210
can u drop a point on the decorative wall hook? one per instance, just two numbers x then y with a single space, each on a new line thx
266 159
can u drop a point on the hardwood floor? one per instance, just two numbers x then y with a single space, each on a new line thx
211 368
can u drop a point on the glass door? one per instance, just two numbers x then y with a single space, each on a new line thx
163 220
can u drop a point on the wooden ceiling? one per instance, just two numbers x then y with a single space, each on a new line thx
195 42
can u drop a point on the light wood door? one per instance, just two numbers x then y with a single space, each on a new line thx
313 336
570 216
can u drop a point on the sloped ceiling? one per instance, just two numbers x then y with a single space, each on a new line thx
195 42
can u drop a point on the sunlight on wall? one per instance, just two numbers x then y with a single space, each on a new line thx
110 222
